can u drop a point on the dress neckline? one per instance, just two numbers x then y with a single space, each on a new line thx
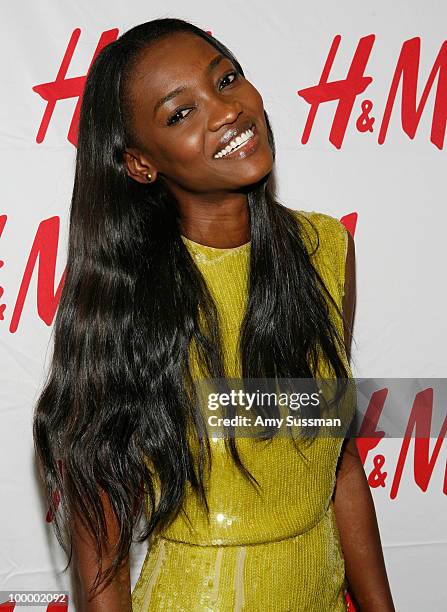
205 248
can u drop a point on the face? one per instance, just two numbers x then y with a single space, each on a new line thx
178 138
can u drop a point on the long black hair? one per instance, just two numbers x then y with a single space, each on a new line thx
118 404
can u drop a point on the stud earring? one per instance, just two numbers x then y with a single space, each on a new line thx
149 177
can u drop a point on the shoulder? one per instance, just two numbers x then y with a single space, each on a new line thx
327 229
327 241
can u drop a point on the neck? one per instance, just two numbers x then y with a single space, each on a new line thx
224 224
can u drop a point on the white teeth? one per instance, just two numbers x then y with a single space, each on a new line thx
238 141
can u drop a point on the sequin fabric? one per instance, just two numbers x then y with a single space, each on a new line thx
277 550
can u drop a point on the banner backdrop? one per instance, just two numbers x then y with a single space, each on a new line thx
357 97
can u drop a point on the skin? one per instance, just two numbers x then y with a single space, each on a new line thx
353 504
214 212
116 597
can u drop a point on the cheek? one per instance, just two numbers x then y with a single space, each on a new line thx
253 97
183 149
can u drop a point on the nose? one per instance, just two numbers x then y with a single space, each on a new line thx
223 112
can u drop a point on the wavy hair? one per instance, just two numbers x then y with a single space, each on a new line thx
118 405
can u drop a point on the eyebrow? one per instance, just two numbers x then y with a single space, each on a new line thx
175 92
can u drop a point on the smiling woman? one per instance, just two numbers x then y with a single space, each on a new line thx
175 133
183 265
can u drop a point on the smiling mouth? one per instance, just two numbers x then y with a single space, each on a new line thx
237 143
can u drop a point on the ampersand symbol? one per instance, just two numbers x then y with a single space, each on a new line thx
377 477
365 122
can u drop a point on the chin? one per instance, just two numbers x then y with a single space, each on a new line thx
257 172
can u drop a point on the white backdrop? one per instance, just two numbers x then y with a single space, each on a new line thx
389 191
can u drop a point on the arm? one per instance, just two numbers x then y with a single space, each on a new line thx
353 503
116 597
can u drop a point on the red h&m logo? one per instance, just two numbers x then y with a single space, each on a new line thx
345 91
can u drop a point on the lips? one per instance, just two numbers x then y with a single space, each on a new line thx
232 133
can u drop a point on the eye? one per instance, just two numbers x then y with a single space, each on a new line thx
176 117
233 73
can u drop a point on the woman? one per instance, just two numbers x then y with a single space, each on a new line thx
178 250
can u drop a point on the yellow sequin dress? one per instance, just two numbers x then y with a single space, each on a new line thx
275 552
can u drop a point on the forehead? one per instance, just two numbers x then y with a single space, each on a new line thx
170 61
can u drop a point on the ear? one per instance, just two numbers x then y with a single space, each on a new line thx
138 166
